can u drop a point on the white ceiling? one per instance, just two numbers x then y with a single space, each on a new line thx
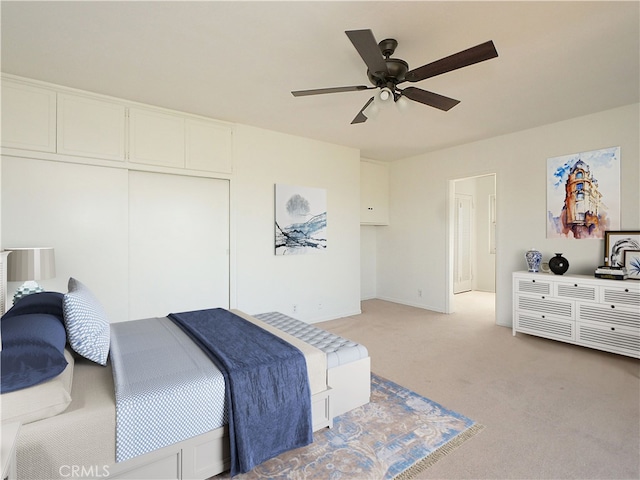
238 61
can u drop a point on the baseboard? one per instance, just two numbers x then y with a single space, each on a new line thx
332 317
410 304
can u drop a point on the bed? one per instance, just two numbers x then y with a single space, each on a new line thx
76 435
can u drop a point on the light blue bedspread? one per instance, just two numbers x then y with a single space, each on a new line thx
167 389
268 393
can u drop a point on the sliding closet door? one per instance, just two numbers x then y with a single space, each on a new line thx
178 244
80 211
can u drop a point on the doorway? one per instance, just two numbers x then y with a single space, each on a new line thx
472 252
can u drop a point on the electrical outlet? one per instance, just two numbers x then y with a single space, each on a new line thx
420 292
295 308
320 306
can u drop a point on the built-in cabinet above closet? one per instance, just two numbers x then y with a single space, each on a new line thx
74 123
374 193
165 139
28 117
157 138
91 128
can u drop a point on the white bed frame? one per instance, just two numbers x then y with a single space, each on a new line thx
201 457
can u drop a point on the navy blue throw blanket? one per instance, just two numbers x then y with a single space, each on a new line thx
268 394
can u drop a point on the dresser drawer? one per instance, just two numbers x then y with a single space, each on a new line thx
611 339
529 285
545 305
577 291
609 315
621 295
544 326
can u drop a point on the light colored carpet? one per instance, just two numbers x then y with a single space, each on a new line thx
552 410
395 436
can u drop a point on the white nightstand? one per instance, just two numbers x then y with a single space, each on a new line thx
8 451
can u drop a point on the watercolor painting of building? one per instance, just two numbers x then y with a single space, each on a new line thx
583 194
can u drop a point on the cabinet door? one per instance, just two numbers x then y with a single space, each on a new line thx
90 128
374 194
156 138
208 146
28 117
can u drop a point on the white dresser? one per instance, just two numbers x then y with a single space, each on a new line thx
579 309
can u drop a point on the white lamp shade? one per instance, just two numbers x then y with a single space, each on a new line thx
25 264
372 110
384 96
403 104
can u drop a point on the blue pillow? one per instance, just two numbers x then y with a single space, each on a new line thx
86 322
43 302
32 350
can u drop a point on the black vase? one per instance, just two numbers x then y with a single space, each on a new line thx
558 264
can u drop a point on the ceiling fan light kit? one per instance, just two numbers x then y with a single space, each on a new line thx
403 104
371 112
386 73
385 94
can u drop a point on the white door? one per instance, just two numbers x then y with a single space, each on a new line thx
178 244
463 275
80 211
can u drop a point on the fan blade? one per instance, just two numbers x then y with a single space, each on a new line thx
430 98
479 53
368 48
319 91
361 118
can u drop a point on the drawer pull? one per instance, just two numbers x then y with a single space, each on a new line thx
575 284
543 316
543 297
613 329
626 290
613 306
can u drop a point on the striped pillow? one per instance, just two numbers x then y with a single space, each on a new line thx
88 329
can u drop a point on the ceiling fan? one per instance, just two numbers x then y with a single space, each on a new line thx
386 73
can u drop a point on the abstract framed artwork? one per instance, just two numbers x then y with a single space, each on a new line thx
583 194
616 243
301 220
632 264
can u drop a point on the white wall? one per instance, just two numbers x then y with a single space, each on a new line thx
418 230
323 285
368 262
88 213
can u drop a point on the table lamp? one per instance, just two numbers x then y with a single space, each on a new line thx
29 265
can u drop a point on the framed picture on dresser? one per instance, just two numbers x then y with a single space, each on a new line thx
632 264
616 243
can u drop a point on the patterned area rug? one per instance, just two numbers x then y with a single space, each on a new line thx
396 436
